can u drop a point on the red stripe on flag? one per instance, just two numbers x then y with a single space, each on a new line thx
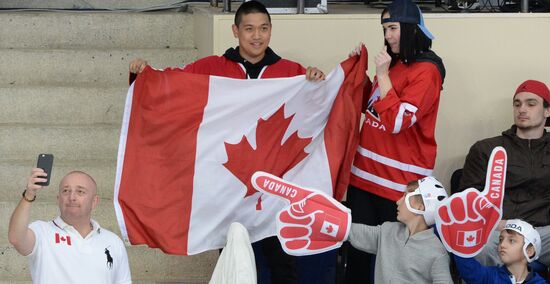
342 130
157 176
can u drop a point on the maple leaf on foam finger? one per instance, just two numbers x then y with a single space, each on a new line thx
271 154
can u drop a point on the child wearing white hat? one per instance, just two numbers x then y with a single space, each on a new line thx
408 251
519 245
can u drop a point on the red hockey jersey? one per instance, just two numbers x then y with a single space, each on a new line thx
398 135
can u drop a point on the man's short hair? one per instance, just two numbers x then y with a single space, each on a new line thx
250 7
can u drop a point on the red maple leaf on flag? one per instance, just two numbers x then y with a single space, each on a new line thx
330 229
470 238
271 154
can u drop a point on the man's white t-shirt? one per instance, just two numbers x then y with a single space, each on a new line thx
61 255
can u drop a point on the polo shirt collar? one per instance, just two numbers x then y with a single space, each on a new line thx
63 225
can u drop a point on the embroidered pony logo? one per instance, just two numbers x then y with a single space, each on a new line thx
109 258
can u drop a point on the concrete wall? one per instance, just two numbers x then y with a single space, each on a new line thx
63 81
486 55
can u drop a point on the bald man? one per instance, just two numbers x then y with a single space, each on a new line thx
71 248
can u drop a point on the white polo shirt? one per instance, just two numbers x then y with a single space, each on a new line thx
61 255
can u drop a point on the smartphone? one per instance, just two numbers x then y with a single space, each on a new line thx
45 162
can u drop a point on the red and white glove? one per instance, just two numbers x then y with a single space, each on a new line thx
312 223
466 219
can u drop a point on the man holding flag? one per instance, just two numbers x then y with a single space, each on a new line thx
252 59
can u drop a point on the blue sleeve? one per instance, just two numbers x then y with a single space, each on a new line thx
472 271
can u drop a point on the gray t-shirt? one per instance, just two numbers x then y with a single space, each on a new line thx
400 258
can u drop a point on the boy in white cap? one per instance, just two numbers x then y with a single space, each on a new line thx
408 251
519 244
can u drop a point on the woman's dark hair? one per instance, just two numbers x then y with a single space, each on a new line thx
250 7
412 42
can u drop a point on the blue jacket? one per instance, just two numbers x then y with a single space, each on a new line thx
473 272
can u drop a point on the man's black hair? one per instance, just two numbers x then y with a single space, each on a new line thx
412 42
250 7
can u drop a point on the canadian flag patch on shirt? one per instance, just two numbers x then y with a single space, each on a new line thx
60 239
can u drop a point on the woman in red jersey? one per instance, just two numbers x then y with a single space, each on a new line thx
398 135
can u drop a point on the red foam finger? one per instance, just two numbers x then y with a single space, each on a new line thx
271 184
313 204
496 176
444 214
457 209
472 200
285 217
296 244
291 232
488 210
323 201
320 245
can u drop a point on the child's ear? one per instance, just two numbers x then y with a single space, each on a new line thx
530 250
419 205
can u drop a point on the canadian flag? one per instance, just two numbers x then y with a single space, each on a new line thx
329 228
469 238
190 143
62 239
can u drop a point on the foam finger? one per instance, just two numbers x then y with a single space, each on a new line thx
285 217
444 214
457 209
294 232
296 244
270 184
496 177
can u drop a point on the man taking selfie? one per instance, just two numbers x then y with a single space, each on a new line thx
71 248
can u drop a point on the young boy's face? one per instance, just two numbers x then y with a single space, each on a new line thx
254 34
510 247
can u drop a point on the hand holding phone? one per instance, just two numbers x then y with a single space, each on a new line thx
45 162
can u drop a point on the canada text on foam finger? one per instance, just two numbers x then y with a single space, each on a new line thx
279 188
497 178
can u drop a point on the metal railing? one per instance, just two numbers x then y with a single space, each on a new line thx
300 5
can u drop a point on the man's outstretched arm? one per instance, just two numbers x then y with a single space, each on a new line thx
19 234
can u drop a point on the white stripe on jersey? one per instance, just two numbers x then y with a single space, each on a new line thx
399 118
394 163
378 180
